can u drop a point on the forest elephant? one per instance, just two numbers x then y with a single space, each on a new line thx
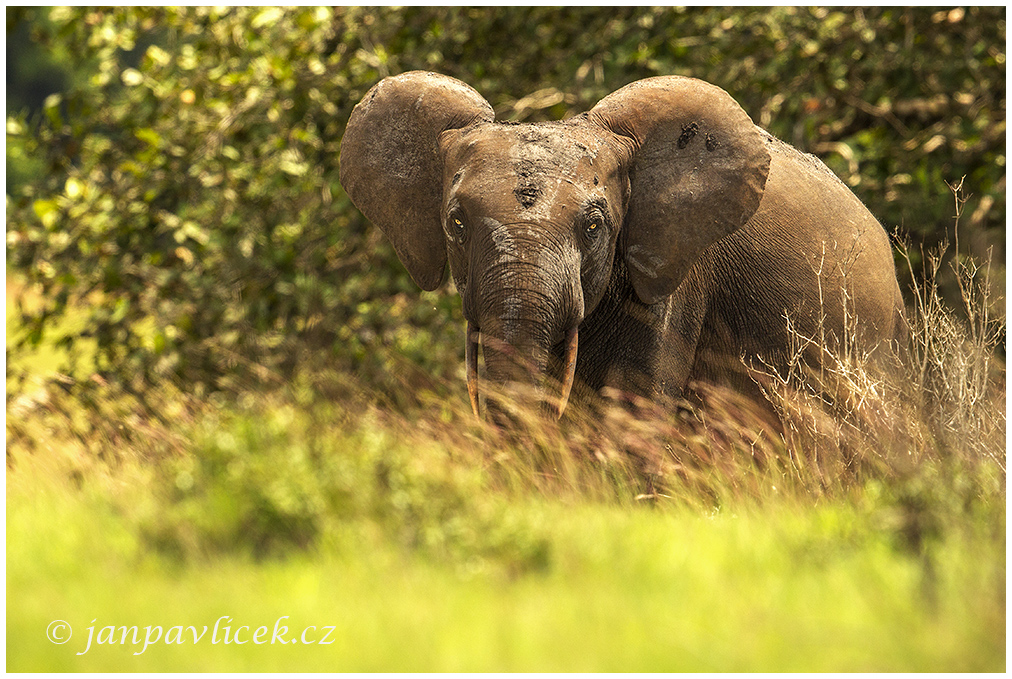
659 239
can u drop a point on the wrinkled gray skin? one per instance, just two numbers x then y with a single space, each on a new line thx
662 232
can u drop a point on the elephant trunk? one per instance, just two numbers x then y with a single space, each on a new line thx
517 329
505 363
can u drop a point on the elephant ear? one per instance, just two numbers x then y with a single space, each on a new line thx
391 166
697 173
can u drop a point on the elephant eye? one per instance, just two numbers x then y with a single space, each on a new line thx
593 222
458 228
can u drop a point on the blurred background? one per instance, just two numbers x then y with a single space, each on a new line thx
173 204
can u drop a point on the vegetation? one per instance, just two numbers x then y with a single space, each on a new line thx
190 180
645 541
226 397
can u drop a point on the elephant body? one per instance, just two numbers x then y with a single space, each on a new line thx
735 301
659 239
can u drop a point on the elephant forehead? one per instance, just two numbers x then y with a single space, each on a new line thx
534 168
551 148
500 147
559 145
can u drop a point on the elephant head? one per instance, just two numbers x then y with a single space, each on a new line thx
533 217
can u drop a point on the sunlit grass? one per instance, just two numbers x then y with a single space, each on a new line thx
781 587
422 558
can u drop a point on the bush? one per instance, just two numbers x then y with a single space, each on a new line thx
189 193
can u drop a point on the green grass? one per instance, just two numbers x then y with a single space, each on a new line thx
569 584
780 588
431 543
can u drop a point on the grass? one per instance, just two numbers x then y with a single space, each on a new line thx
422 558
781 587
869 537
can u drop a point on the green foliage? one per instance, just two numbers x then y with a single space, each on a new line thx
189 185
277 479
33 73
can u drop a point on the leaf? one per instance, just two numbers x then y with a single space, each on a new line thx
48 212
74 188
266 17
149 136
131 77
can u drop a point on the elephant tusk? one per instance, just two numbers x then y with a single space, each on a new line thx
568 369
471 360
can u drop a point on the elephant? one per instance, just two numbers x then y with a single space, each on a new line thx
658 240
